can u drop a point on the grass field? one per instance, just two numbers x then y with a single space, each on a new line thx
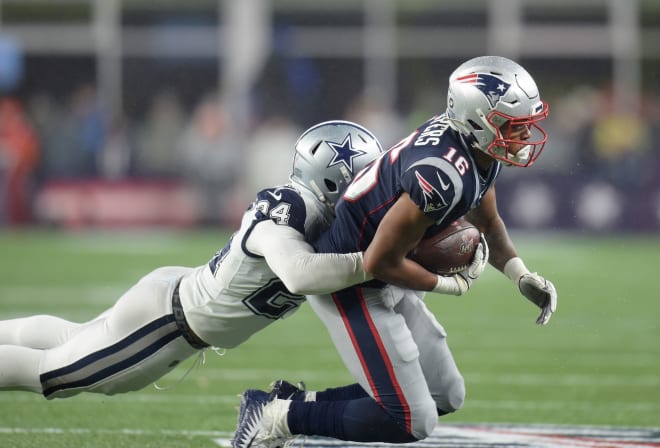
597 362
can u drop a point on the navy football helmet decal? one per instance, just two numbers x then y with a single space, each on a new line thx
344 153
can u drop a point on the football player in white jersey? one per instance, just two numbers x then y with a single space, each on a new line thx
259 276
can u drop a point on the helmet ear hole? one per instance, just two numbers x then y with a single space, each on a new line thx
330 185
316 147
475 126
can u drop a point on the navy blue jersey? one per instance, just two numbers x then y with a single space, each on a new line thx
432 165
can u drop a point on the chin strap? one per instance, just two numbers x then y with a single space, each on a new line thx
317 191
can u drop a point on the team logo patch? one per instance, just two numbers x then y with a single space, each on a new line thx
491 86
433 201
344 153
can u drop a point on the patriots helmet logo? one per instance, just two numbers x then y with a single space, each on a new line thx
491 86
344 153
433 200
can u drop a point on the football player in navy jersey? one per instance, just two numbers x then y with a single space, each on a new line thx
393 346
172 313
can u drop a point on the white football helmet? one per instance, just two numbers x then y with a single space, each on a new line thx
329 155
488 98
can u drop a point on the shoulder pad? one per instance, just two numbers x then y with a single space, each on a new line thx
283 205
434 185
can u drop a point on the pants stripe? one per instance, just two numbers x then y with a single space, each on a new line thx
104 363
337 299
371 351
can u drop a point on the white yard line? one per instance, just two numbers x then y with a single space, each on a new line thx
120 431
455 435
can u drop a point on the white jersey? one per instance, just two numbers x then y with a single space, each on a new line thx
264 270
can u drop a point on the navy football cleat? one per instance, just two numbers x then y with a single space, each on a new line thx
284 390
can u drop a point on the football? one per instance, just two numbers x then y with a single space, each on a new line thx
448 251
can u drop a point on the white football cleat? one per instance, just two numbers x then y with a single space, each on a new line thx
263 423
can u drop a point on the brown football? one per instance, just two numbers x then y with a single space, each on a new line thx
449 250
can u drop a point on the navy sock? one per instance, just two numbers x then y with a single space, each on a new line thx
359 420
349 392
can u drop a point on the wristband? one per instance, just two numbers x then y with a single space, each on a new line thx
515 268
454 285
441 284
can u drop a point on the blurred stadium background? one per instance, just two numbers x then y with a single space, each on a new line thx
173 113
133 133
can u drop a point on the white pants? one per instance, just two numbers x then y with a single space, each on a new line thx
396 350
126 348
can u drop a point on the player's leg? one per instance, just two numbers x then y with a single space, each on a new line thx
19 368
24 343
442 375
379 351
41 331
132 345
445 381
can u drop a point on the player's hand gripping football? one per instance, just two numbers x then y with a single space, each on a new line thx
458 284
541 292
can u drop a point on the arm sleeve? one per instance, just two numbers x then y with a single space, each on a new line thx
302 270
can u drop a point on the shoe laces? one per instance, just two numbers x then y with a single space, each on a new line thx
200 360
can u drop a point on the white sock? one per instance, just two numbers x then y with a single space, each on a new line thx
275 419
19 368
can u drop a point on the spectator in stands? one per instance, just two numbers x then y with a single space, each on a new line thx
114 161
268 154
73 135
381 119
90 125
617 143
156 140
19 153
211 159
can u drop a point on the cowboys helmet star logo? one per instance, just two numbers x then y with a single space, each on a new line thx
491 86
344 153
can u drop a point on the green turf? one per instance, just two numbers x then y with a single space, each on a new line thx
598 362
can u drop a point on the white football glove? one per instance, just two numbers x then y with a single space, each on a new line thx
457 284
541 292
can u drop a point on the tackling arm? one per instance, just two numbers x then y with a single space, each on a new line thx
301 269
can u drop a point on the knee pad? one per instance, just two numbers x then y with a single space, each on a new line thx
428 421
457 394
454 396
